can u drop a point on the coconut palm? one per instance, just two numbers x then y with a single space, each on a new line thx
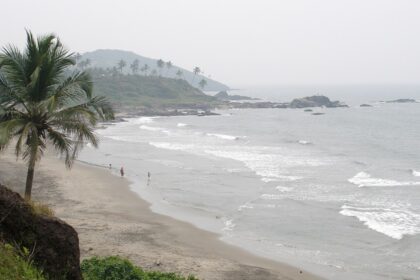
121 64
145 69
196 71
202 84
43 105
135 66
160 63
179 74
168 67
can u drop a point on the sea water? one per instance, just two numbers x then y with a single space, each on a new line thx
337 194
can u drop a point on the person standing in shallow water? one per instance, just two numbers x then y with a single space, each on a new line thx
148 178
122 171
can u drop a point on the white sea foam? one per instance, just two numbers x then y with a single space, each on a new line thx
153 128
181 125
267 162
392 222
284 189
229 225
141 120
245 206
268 196
224 136
415 173
172 146
304 142
363 179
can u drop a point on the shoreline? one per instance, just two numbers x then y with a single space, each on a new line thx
111 219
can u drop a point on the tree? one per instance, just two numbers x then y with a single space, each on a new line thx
145 69
154 72
121 64
84 63
160 63
196 71
42 105
168 66
135 66
202 84
179 74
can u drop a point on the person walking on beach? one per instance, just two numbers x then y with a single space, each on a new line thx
148 178
122 171
110 166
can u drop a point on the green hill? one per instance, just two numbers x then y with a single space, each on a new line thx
127 90
110 58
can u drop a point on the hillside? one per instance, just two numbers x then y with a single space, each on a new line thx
110 58
127 90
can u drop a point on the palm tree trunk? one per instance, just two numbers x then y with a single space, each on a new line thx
30 176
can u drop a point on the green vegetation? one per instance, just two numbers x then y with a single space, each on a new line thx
107 59
17 267
147 91
40 102
39 208
116 268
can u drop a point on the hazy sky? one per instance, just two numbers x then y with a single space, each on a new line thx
240 42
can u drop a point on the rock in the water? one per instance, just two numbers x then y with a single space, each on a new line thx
365 105
402 100
54 243
223 95
307 110
315 101
318 114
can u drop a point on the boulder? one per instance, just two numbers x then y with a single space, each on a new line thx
402 100
315 101
54 243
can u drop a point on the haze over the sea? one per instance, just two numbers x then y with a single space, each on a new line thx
241 43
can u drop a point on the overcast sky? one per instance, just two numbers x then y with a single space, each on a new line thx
240 42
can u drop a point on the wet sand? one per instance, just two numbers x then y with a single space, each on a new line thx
112 220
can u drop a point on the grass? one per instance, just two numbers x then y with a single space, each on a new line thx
17 267
117 268
41 209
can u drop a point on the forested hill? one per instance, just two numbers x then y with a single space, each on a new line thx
111 58
137 91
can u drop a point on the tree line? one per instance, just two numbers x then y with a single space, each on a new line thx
145 70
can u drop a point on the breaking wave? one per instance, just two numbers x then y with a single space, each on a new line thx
363 179
392 222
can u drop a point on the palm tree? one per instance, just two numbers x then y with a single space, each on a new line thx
145 69
160 63
168 67
42 106
202 84
121 64
135 66
179 74
196 71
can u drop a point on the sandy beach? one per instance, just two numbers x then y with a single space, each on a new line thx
112 220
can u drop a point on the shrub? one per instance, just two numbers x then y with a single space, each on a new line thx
116 268
13 266
39 208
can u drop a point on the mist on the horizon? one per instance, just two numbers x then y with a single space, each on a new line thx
241 42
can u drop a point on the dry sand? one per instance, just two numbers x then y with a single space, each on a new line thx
113 220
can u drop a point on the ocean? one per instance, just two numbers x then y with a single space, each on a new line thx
337 194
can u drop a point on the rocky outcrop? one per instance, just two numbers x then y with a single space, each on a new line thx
55 244
315 101
402 100
223 95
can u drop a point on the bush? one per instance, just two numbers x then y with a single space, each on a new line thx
39 208
13 266
116 268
